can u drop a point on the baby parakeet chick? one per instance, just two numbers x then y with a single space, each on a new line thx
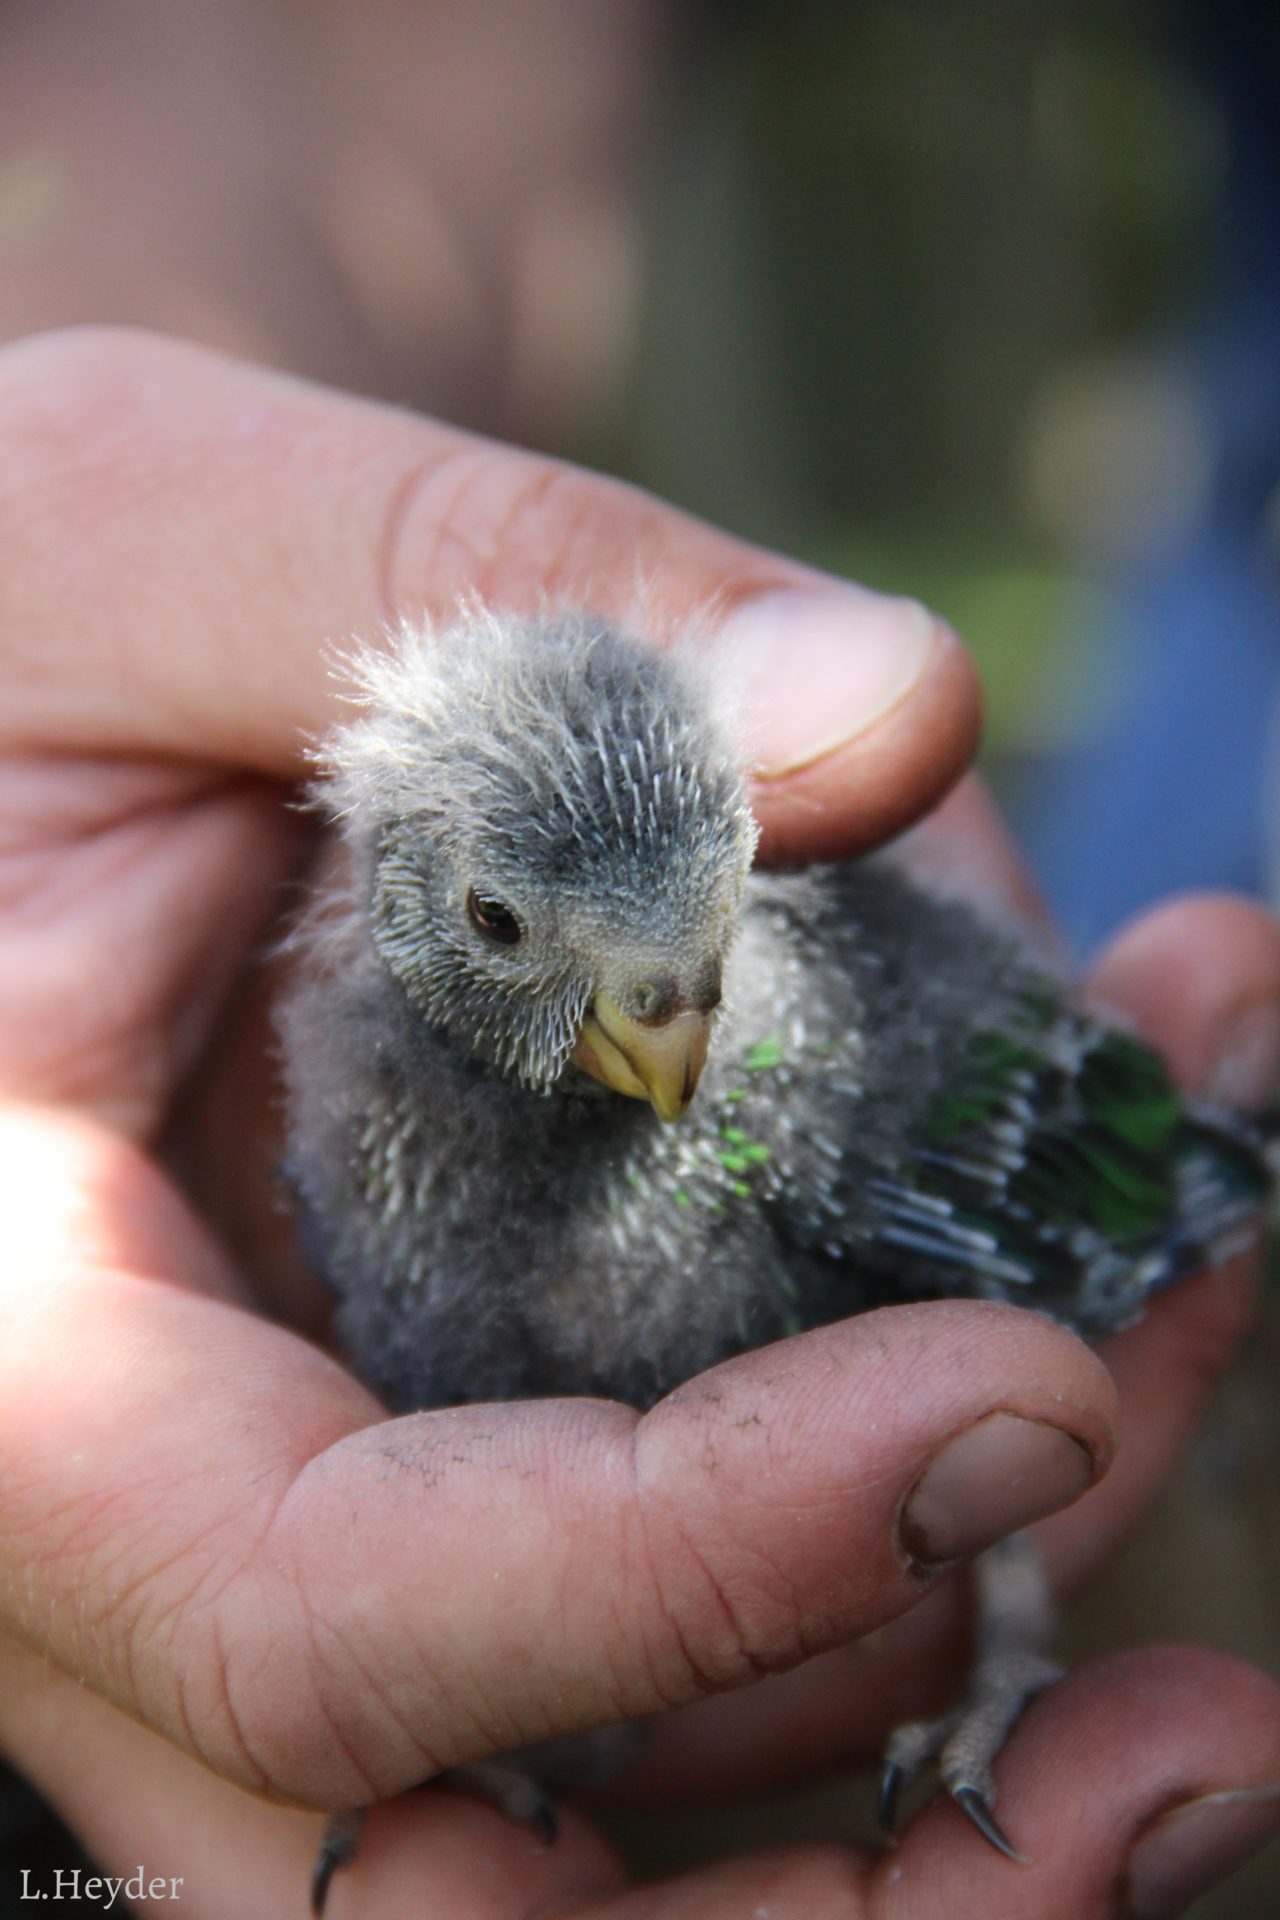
578 1102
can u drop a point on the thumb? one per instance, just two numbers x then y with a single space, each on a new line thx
180 536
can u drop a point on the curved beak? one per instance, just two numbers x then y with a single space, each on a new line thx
659 1064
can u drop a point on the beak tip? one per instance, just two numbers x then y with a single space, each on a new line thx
667 1103
662 1064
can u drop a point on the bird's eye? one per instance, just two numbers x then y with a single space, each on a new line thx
492 919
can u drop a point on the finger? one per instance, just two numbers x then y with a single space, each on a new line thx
965 851
331 1607
216 1850
1097 1783
1143 1778
180 537
130 894
134 1802
1099 1767
1201 977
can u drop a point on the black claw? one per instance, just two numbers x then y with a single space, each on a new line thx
338 1849
547 1821
327 1864
890 1788
972 1804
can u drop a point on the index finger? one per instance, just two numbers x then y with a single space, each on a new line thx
181 535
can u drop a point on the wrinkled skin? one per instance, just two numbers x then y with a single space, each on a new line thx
192 1496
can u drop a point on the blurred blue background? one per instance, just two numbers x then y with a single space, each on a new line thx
981 303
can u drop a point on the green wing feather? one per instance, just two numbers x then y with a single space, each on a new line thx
1061 1167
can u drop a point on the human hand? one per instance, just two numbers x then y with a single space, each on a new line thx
192 1498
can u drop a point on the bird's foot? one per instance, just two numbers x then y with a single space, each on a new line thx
966 1741
522 1798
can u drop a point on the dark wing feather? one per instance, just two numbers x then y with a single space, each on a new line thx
1058 1169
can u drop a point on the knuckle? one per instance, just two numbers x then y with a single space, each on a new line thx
225 1658
263 1696
513 526
732 1614
321 1700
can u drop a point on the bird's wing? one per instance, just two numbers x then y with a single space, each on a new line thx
1057 1168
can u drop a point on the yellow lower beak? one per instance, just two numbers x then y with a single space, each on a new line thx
660 1064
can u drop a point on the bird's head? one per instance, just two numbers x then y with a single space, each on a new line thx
555 838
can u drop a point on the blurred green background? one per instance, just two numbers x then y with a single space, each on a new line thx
907 268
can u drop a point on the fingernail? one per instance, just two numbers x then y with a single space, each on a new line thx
820 666
1246 1064
990 1480
1197 1845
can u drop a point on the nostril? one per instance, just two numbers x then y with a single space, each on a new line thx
655 1001
662 997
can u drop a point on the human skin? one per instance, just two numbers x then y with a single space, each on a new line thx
226 1580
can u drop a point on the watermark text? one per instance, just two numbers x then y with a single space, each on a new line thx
73 1883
